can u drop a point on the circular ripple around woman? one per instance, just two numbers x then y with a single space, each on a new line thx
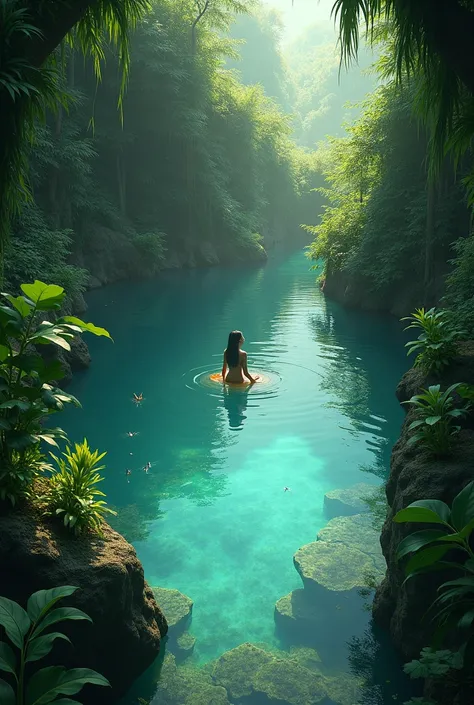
210 380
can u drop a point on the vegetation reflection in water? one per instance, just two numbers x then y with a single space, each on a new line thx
211 517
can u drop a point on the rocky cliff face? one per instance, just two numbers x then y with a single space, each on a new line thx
128 626
398 299
415 475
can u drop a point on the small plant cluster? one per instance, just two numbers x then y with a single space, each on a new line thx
30 641
436 344
28 398
453 609
435 411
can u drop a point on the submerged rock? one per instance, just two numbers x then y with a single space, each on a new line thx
332 566
176 607
346 502
253 675
127 626
356 532
237 669
185 644
295 609
187 686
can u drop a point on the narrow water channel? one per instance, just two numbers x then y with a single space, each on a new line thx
211 518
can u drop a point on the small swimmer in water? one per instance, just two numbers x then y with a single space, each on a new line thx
131 434
287 489
137 398
147 467
235 360
128 472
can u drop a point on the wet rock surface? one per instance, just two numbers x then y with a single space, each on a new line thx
346 502
127 628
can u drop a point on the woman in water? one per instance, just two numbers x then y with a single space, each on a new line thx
235 360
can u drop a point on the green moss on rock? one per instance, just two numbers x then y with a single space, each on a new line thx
346 502
355 531
296 607
236 670
187 686
176 607
184 645
333 566
285 682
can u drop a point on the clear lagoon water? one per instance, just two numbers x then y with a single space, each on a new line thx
211 518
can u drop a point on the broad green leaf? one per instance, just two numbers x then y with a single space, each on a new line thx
20 304
22 405
46 684
7 658
4 352
467 581
466 620
61 614
52 371
47 338
42 645
44 296
89 327
415 541
42 601
19 440
425 558
431 420
5 425
15 621
7 694
462 511
28 363
426 511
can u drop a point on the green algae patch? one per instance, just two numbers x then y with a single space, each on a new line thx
332 566
346 502
296 607
176 607
355 531
285 681
185 644
237 669
185 685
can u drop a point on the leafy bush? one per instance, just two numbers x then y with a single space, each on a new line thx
460 283
73 490
152 250
436 344
435 413
433 664
428 548
28 395
25 630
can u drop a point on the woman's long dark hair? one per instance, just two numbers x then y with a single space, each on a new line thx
232 351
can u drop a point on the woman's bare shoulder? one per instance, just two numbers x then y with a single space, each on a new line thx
243 353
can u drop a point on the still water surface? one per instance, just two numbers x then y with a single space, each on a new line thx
211 518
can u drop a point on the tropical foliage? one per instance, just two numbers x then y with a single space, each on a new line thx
428 549
435 412
73 494
436 344
29 394
29 641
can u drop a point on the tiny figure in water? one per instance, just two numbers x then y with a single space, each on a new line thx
147 467
235 360
138 398
287 489
132 434
128 472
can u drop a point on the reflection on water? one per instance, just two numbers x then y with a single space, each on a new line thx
211 517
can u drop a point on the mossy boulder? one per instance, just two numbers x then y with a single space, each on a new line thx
176 607
236 670
348 501
253 675
356 532
184 645
285 682
185 685
296 608
333 566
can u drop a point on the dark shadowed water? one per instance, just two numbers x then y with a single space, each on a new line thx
211 518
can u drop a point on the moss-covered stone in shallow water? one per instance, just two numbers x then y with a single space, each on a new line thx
348 501
176 607
356 532
332 566
236 669
285 682
182 685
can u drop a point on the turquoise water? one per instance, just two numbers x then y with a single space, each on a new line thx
211 517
